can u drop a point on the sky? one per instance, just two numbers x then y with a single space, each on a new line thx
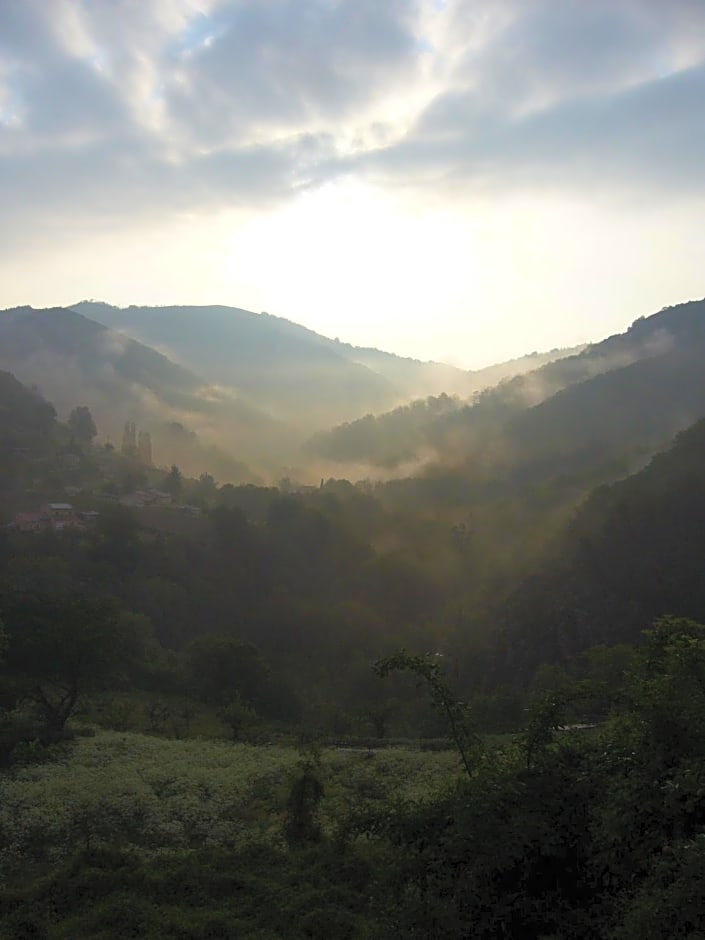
463 180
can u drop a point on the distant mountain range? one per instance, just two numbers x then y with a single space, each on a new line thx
218 387
222 388
62 351
632 390
291 371
73 360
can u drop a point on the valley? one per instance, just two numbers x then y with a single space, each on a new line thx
284 668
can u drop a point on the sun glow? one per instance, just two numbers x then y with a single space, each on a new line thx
349 254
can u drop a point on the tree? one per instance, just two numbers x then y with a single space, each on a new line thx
221 668
301 826
173 482
7 696
667 691
115 540
453 711
82 425
61 647
238 716
207 489
132 478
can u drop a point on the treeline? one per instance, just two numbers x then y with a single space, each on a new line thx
281 616
386 440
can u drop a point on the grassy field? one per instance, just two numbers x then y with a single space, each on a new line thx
165 714
159 795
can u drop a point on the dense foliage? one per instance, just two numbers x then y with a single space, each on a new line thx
633 552
592 415
425 708
591 833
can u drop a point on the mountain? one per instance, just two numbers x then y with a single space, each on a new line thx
624 399
385 440
288 369
254 367
284 368
636 406
74 360
633 552
61 350
27 423
26 419
435 379
508 475
631 390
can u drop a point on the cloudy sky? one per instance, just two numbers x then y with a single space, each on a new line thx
458 179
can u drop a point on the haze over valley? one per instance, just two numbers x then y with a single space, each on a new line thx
253 386
352 469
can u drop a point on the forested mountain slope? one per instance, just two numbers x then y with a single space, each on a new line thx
310 379
635 408
27 423
284 367
25 417
503 421
60 350
74 360
632 553
385 440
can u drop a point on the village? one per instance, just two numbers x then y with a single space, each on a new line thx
123 478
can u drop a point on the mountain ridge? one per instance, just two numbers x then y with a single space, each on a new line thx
75 360
464 431
289 367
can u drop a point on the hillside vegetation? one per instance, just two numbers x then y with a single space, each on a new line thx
72 359
308 379
634 388
465 702
633 552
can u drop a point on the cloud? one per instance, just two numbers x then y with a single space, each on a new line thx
559 93
644 138
285 66
126 110
111 113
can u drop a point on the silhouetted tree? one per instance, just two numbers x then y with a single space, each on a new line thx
173 482
82 425
60 648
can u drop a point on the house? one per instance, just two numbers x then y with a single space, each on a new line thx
61 516
56 516
30 521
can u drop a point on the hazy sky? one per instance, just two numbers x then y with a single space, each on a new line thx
458 179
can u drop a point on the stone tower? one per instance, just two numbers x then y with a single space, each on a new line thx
129 440
144 447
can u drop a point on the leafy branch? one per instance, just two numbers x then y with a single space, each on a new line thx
455 713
